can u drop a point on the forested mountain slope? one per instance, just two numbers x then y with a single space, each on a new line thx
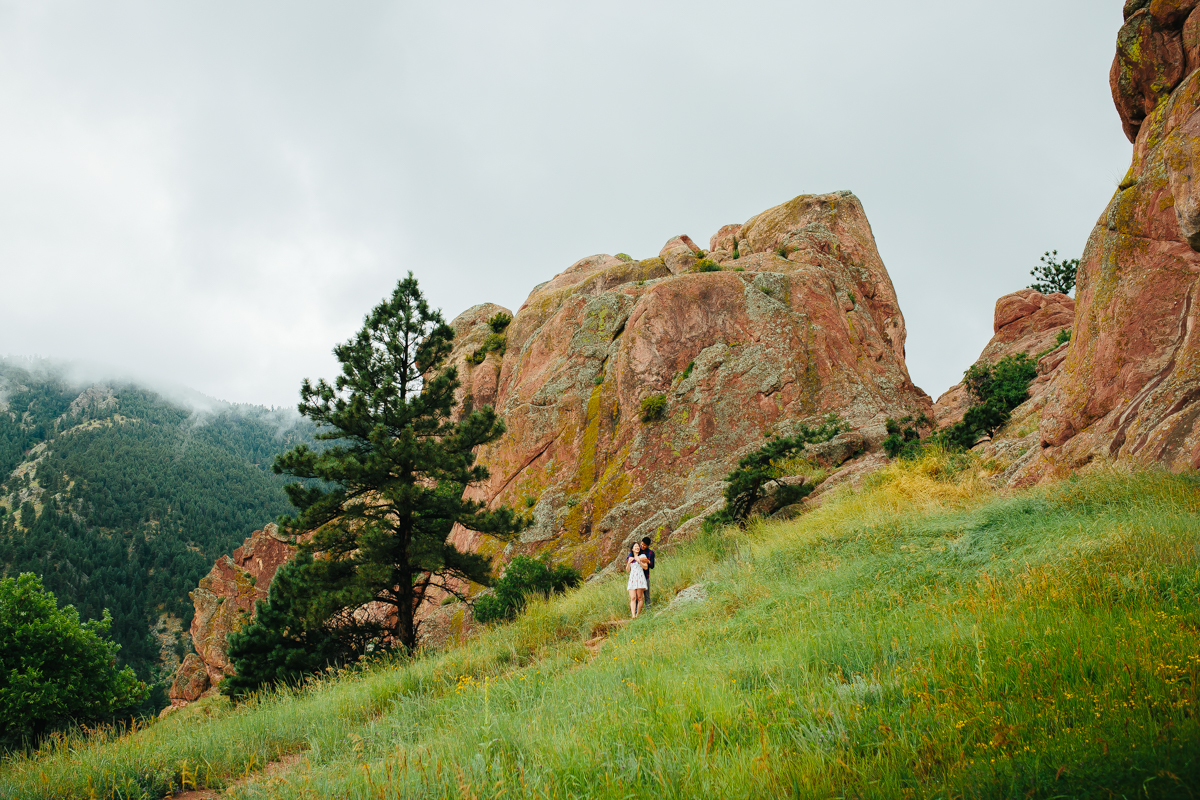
121 499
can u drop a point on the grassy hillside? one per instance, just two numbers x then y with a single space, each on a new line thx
122 499
926 637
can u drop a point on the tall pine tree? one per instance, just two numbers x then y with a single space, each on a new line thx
381 499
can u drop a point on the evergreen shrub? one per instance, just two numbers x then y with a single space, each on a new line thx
747 484
524 578
654 407
499 322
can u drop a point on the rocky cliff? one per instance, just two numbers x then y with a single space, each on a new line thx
1129 386
224 603
1025 321
630 388
1028 322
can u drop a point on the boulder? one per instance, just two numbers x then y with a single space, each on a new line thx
680 254
1128 387
789 512
808 326
837 450
1149 64
191 680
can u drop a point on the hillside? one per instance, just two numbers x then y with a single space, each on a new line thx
928 636
121 499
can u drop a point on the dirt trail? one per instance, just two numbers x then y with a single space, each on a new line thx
601 631
271 769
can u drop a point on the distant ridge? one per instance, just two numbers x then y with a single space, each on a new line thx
121 497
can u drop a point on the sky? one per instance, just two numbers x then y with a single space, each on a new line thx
214 194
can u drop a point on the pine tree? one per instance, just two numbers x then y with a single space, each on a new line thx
292 635
389 486
1053 275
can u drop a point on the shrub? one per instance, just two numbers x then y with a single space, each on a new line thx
1053 275
687 371
1005 383
904 435
499 322
747 484
1063 336
654 407
54 668
495 342
706 265
289 637
524 577
625 257
996 390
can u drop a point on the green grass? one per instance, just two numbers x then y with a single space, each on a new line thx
927 637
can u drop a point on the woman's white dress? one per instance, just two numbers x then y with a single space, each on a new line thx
637 578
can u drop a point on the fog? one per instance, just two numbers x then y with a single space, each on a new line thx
213 195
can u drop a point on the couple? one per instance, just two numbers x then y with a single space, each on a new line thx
639 563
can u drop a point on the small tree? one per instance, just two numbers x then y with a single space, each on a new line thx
54 668
382 498
296 632
995 389
755 471
1053 275
904 435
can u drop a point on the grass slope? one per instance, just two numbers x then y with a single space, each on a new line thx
926 637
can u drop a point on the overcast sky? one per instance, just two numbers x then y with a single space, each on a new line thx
215 193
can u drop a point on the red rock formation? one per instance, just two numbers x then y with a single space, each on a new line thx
224 603
1025 321
1129 387
471 332
802 323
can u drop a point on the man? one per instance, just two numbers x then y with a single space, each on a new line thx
646 551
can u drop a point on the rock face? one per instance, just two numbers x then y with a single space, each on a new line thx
800 320
224 603
1129 386
1027 322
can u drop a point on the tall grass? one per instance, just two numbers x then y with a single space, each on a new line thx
925 637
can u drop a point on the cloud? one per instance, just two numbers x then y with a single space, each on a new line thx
215 194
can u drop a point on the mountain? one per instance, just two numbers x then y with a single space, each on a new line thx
121 498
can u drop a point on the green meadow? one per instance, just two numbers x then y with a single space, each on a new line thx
926 636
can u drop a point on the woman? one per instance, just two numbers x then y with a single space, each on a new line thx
636 564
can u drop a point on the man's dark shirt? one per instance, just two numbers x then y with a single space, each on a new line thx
649 554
